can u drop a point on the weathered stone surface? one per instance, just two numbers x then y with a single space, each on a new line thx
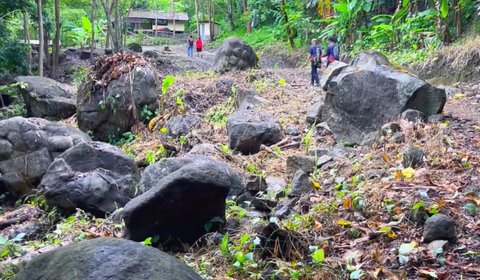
369 93
255 184
412 157
314 113
292 131
106 259
300 184
332 71
248 130
439 227
110 112
300 162
180 207
225 86
28 146
156 172
234 54
276 186
94 176
413 116
47 98
390 128
182 125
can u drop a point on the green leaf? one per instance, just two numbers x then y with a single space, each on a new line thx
167 83
444 8
163 130
406 248
224 245
147 241
318 256
418 205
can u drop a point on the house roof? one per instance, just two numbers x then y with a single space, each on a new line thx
157 15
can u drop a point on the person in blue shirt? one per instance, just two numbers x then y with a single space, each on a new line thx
314 54
333 51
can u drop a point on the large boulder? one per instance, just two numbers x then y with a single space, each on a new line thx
28 147
95 177
161 169
182 125
248 130
371 92
106 259
234 54
181 207
111 107
47 98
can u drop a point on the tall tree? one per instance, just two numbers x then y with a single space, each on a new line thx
108 8
40 38
92 19
288 29
26 34
56 40
230 13
197 16
117 40
172 10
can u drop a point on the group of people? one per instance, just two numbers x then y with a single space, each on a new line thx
198 45
315 57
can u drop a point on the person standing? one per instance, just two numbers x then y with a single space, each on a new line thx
190 46
314 54
333 51
199 46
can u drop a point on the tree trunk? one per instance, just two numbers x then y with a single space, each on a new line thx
287 25
248 24
209 12
40 38
458 17
56 40
172 9
197 16
26 33
92 18
116 40
230 14
108 14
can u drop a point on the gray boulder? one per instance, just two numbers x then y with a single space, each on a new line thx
370 92
161 169
248 130
28 147
95 177
182 124
111 111
234 54
314 113
106 259
413 116
439 227
412 157
300 184
300 162
180 207
47 98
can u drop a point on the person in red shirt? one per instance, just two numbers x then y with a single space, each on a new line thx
199 46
